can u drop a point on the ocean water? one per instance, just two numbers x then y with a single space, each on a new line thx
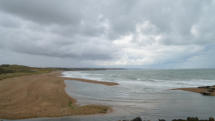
146 93
150 78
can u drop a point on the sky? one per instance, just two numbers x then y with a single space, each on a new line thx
108 33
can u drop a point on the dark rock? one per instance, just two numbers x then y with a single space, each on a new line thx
204 87
178 120
188 119
210 90
206 93
192 119
211 119
137 119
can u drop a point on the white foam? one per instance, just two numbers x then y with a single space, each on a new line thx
81 74
149 83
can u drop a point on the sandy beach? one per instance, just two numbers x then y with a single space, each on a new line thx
42 95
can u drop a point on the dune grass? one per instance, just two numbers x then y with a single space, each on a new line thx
10 71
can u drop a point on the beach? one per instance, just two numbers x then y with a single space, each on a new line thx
42 95
107 95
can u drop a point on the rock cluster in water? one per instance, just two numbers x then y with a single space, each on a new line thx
188 119
209 90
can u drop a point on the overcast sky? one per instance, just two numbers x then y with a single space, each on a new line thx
108 33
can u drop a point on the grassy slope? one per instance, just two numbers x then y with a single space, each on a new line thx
9 71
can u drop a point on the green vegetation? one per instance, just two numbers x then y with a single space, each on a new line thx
71 105
9 71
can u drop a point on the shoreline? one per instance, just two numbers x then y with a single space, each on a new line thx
204 90
43 95
90 81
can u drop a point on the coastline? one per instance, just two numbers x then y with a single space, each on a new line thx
205 90
43 95
29 94
91 81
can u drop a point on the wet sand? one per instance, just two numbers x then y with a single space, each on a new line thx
92 81
206 90
42 95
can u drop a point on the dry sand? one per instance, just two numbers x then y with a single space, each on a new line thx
42 95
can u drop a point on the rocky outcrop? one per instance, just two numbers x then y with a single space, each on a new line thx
188 119
135 119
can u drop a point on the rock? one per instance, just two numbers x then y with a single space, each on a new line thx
137 119
192 119
178 120
161 120
206 93
188 119
211 119
204 87
210 90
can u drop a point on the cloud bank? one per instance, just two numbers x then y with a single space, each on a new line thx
113 33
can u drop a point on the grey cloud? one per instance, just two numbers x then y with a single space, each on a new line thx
47 12
86 29
203 59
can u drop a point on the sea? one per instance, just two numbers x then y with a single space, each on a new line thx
145 93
